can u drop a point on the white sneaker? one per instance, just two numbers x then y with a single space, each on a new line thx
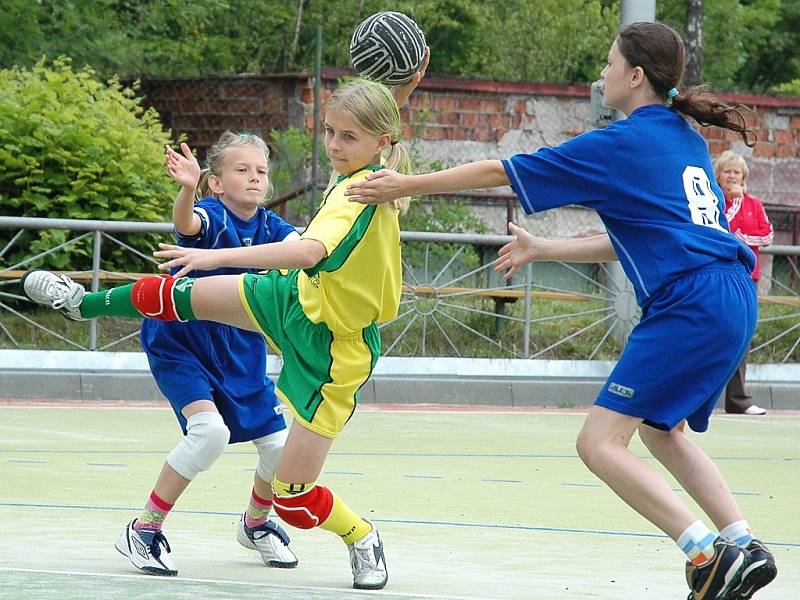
754 410
368 562
57 291
269 540
144 549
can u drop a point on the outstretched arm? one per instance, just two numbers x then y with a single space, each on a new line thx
385 185
288 254
528 248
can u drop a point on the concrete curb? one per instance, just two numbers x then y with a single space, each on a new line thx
112 376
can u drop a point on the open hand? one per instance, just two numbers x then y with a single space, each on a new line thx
524 249
379 187
183 168
189 259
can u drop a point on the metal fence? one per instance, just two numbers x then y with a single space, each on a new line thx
453 303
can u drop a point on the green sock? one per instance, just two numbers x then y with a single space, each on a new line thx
182 294
115 302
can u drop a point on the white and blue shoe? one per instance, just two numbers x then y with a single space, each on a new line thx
368 562
270 541
147 550
57 291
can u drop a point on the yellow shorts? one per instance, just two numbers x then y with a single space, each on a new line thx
322 373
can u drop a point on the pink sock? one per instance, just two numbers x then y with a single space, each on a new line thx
257 511
154 513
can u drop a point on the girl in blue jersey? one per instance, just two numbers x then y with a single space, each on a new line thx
214 375
650 179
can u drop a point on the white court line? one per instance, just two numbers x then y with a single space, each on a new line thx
279 588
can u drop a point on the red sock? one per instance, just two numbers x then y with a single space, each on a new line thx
257 511
154 513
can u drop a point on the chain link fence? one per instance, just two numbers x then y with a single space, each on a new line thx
448 122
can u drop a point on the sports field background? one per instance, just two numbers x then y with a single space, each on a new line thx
471 504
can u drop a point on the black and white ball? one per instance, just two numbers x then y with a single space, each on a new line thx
388 47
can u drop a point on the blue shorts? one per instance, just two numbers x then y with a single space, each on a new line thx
693 334
201 360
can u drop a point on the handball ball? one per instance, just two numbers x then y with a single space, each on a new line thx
387 47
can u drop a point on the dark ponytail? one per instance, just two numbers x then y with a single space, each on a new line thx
700 104
658 50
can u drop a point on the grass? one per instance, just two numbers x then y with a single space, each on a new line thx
16 332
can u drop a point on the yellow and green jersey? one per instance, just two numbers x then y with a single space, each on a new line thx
360 279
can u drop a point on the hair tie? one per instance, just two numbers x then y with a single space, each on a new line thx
672 93
393 142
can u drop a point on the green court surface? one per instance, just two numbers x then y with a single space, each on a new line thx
471 504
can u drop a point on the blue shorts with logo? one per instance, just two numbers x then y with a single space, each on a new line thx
693 334
201 360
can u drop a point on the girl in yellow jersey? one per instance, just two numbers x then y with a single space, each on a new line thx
318 306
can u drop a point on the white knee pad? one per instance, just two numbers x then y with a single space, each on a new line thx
269 452
204 442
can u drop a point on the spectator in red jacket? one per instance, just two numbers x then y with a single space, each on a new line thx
748 221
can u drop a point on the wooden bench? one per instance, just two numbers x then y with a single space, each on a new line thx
507 295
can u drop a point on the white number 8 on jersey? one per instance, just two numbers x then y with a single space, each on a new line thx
703 202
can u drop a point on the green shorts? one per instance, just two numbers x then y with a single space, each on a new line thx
322 373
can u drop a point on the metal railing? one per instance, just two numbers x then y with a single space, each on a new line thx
453 304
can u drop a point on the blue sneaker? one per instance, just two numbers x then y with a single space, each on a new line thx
721 575
759 572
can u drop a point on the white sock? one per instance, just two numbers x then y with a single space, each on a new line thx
697 542
738 532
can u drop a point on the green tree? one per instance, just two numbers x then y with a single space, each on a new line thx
748 44
536 41
736 34
20 35
777 59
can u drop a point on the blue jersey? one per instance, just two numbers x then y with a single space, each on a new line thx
203 360
650 179
220 228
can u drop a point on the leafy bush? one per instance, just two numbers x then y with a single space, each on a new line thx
72 147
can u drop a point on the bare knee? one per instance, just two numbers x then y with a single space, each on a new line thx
604 434
589 448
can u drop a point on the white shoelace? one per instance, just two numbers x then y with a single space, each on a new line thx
54 288
365 559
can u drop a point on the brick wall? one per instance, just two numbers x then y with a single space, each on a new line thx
462 120
203 108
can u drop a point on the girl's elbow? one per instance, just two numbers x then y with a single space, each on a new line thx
307 263
499 173
312 257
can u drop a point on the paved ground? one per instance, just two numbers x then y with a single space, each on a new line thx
471 503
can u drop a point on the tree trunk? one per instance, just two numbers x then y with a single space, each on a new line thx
296 38
694 43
